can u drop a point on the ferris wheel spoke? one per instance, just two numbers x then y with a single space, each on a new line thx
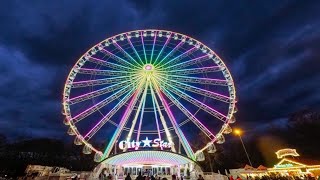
155 114
153 45
178 58
123 120
217 82
107 117
102 72
174 123
200 91
126 54
171 52
118 59
163 47
134 121
102 103
103 81
189 62
107 64
195 102
193 70
134 49
163 121
99 92
141 115
144 49
189 115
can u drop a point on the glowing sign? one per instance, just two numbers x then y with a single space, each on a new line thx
283 165
286 152
146 143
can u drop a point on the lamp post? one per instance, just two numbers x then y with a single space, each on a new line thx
238 132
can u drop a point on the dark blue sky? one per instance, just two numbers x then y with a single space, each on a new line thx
271 48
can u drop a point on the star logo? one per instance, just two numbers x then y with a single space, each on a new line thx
146 142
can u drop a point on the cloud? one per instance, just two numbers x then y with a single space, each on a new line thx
55 33
272 50
26 106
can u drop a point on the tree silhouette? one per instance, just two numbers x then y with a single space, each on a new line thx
301 132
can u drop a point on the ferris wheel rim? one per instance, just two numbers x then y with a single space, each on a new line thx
67 84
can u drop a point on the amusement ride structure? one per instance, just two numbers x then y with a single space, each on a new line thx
149 98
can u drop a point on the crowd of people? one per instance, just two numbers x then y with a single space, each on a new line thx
277 177
156 177
264 177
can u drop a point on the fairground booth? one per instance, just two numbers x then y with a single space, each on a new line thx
290 164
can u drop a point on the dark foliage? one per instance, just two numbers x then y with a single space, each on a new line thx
15 157
301 131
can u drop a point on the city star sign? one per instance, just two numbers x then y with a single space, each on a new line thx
155 143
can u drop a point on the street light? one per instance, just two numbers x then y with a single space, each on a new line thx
238 132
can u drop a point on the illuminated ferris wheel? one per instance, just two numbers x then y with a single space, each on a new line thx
149 89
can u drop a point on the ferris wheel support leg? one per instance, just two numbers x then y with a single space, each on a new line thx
140 122
141 115
123 121
156 116
136 116
178 131
163 121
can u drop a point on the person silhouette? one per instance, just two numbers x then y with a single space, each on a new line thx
139 177
128 177
174 177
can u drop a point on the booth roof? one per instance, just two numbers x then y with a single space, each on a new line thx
148 158
309 162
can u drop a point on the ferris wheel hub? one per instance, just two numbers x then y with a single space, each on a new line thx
148 67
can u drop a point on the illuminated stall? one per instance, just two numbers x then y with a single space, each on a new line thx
290 164
147 162
296 166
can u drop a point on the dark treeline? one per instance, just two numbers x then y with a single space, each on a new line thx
301 131
14 157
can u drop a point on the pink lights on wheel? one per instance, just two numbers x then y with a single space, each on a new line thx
148 67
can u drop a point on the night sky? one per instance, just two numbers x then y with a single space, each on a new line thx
271 48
